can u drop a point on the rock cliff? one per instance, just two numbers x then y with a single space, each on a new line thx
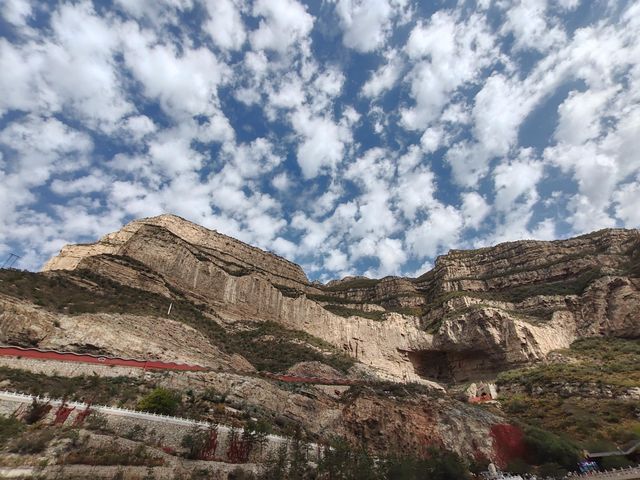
477 312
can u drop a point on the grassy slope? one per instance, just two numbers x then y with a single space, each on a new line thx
268 346
592 422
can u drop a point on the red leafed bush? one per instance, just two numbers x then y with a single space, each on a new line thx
508 443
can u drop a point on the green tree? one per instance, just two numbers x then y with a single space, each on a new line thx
342 462
276 465
160 400
10 427
546 447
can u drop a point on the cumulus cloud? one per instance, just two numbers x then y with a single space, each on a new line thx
516 182
16 12
447 53
580 116
365 23
426 132
531 25
283 23
385 77
225 25
626 206
322 142
439 232
474 209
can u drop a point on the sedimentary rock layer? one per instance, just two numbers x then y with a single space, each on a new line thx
477 312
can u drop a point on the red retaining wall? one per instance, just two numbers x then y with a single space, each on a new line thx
99 360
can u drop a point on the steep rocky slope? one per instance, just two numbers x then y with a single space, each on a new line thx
167 289
476 313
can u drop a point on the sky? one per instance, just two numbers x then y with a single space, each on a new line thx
354 137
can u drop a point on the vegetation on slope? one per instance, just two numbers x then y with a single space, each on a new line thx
267 345
349 312
556 396
271 347
354 283
83 291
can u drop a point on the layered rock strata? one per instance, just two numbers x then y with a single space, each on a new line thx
477 312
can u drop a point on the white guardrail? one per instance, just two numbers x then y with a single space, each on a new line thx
630 473
123 412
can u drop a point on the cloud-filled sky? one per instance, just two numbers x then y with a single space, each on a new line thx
350 136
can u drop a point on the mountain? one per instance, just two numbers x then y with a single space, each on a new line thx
401 349
476 313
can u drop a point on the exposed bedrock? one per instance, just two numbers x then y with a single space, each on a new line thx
475 313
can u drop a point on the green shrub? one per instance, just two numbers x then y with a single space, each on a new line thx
10 427
341 461
113 454
32 441
608 463
160 400
545 447
350 312
97 421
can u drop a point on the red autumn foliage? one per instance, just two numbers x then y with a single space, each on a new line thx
508 443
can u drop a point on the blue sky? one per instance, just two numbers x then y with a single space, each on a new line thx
350 136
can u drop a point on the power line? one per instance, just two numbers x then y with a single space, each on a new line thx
11 260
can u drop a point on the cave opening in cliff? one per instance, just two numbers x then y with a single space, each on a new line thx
447 366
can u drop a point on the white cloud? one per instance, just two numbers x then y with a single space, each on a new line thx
415 191
474 209
225 25
469 162
516 181
147 89
500 107
580 116
568 4
391 256
626 204
385 77
432 139
447 53
84 185
189 81
281 181
530 25
336 261
440 231
17 79
285 23
72 70
159 12
36 149
16 12
139 126
322 143
365 23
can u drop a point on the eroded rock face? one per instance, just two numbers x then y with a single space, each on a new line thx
111 334
477 312
224 249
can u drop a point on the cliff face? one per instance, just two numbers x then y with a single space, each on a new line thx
475 313
237 256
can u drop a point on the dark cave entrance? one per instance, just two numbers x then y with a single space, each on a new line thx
454 366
